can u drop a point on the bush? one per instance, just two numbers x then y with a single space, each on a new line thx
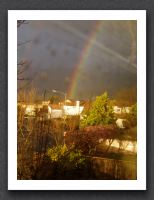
88 138
66 157
68 163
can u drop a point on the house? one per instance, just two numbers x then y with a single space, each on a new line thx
73 110
48 111
120 123
55 113
117 109
65 111
120 110
45 103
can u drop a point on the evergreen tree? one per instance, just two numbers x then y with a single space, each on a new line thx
101 112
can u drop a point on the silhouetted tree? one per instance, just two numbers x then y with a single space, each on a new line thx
22 65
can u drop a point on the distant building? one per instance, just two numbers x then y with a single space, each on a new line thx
30 110
120 123
117 110
60 110
66 111
45 103
120 110
55 113
73 110
52 111
127 109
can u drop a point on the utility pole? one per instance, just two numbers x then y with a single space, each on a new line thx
44 94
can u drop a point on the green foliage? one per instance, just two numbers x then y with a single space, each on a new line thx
67 158
101 112
63 163
57 152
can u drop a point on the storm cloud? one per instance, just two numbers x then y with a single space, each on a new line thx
55 48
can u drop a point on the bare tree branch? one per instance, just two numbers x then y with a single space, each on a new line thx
20 22
22 65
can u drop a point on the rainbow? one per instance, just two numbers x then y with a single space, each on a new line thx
83 59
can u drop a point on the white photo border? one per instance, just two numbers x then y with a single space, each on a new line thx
140 16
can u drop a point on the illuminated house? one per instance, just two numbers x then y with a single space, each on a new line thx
120 123
66 111
55 113
30 110
120 110
73 110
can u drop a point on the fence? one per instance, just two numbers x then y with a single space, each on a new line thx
115 169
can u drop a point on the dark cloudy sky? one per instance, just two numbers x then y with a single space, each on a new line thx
55 47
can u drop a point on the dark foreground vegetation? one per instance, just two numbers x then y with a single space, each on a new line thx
46 150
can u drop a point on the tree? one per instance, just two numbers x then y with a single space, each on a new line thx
133 115
22 65
55 99
101 112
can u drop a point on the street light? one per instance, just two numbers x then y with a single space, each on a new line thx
60 92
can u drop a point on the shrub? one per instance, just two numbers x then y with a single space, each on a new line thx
68 163
67 157
88 138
